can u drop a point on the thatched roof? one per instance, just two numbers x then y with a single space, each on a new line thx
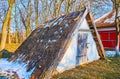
107 20
41 48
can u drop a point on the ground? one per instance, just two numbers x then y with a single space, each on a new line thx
12 47
100 69
9 48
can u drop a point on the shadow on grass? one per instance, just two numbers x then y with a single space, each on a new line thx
5 53
2 77
99 69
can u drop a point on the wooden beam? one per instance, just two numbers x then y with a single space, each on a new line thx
85 30
95 34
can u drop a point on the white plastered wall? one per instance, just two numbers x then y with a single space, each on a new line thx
69 59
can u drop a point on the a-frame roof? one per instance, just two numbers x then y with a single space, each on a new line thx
107 20
44 45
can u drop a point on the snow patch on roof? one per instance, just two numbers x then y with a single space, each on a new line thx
58 20
103 16
108 17
110 20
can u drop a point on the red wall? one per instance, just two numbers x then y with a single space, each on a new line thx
108 38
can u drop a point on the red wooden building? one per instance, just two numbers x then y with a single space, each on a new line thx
106 28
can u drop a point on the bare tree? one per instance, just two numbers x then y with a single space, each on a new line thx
67 7
17 39
5 24
36 12
9 39
57 6
26 20
117 24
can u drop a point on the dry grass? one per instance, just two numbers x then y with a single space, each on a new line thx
9 48
100 69
12 47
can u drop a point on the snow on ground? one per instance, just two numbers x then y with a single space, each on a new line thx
111 53
19 68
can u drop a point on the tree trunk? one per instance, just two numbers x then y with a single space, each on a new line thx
4 26
67 8
26 21
16 28
9 39
28 31
118 36
57 6
28 27
117 24
36 12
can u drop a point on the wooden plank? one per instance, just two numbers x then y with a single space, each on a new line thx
108 48
95 34
85 30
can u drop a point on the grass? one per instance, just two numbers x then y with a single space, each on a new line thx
9 49
100 69
12 47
